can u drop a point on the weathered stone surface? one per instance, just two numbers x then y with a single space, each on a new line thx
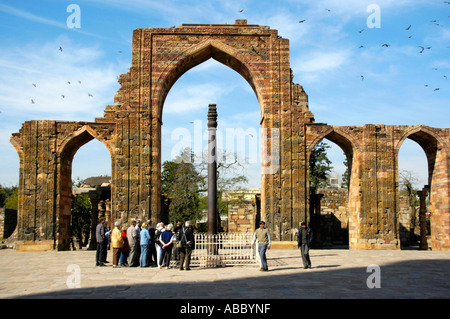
131 130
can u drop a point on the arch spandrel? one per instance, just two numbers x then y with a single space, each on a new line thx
238 60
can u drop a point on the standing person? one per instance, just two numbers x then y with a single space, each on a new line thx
166 239
116 243
262 236
176 232
125 249
138 238
101 242
188 245
133 259
159 229
106 242
304 239
151 248
144 242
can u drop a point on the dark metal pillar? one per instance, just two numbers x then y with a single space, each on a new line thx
423 218
212 169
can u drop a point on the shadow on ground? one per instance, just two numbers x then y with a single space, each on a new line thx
408 279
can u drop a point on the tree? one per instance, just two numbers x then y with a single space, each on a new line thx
81 216
8 197
185 182
12 201
319 166
346 175
180 182
407 182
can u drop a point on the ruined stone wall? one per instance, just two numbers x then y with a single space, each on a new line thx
131 130
373 193
335 202
242 218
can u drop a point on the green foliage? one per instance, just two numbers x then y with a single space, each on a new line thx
185 184
8 197
12 201
181 184
319 166
81 215
346 175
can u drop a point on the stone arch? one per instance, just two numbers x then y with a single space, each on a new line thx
80 137
346 142
437 155
67 150
200 53
428 141
350 147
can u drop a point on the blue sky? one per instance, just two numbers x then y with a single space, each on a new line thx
399 85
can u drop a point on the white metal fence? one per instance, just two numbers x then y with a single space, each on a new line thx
222 249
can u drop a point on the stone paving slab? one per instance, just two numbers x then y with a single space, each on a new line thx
335 274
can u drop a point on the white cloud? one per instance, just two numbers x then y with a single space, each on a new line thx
51 70
193 97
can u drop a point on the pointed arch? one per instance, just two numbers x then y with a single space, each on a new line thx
200 53
72 143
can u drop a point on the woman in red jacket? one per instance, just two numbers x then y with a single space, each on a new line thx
125 249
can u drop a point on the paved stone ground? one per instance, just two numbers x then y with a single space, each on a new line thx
335 274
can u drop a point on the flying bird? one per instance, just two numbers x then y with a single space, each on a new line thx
426 85
33 84
386 45
444 76
79 81
301 21
62 95
361 46
60 49
68 82
362 78
437 89
89 94
242 10
408 27
32 101
328 10
120 51
410 37
361 31
422 49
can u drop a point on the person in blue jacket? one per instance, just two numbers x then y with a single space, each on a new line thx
304 239
145 242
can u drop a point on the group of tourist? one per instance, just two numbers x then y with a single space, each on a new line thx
142 245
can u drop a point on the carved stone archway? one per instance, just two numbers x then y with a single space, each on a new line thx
131 130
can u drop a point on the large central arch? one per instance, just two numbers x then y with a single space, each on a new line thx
261 57
131 130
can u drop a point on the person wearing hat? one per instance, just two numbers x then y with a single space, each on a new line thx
304 239
262 236
116 243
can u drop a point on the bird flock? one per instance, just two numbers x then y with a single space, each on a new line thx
32 101
387 45
384 45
